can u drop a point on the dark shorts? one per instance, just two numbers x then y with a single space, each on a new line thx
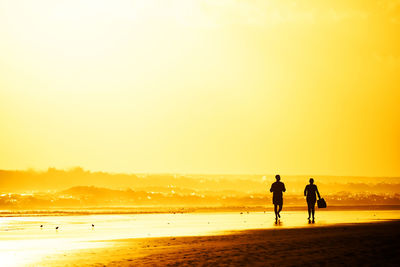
311 201
277 201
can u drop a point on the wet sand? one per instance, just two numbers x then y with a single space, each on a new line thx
367 244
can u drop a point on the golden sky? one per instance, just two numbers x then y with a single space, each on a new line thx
294 87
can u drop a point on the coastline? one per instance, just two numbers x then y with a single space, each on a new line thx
156 210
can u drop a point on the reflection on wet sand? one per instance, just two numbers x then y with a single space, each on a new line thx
24 241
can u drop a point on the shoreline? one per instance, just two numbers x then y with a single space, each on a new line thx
342 244
155 210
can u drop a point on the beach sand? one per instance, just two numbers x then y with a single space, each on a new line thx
367 244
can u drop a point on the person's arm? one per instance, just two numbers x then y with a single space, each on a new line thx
305 191
284 189
319 197
271 188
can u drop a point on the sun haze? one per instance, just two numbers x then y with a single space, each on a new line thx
292 87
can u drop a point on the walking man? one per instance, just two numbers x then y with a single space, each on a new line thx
277 198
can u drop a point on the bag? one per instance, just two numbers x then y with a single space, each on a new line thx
321 203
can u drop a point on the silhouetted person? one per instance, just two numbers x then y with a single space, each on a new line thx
277 199
310 192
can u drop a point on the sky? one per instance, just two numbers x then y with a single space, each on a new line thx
290 87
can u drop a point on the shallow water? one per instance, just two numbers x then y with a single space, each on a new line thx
23 241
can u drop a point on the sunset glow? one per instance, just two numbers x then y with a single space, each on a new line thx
199 133
201 86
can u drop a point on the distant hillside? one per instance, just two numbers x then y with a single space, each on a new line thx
85 197
238 185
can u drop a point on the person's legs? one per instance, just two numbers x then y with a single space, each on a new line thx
309 209
313 210
280 209
276 211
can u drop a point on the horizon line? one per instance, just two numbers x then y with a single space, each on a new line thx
190 173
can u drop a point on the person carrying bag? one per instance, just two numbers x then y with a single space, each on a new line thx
311 192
